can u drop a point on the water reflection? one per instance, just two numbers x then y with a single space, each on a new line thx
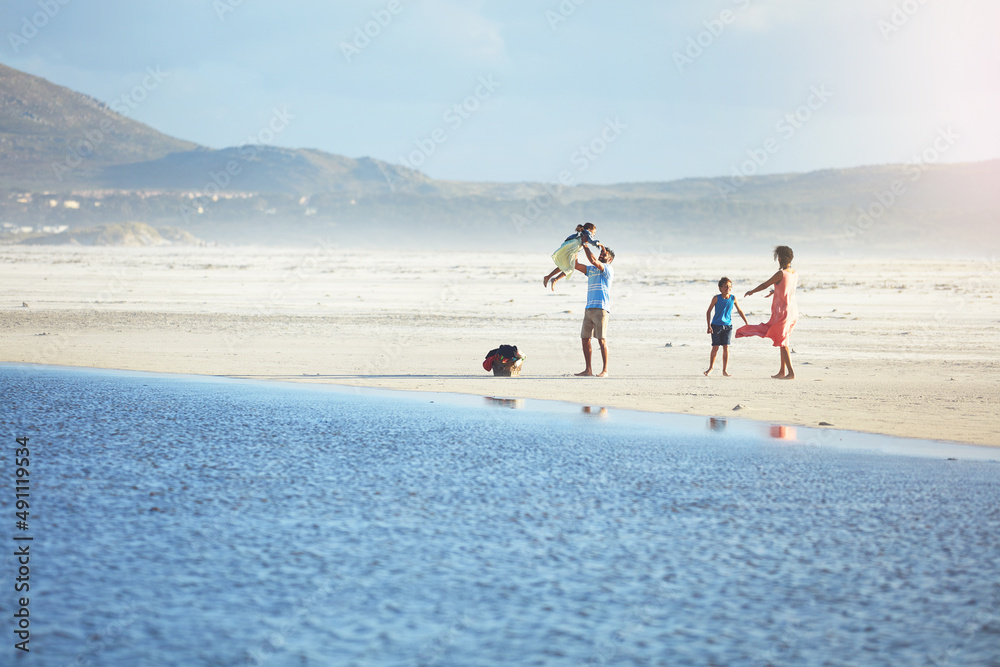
602 413
511 403
717 424
782 432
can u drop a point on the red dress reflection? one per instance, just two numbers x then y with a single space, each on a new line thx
779 432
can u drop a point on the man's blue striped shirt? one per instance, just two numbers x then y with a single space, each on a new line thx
599 287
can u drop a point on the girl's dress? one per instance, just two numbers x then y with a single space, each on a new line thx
784 313
565 256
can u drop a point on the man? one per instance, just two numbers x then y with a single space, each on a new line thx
595 317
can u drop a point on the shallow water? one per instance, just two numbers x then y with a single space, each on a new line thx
207 521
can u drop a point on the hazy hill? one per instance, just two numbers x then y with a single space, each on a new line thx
124 234
42 125
265 194
52 138
265 169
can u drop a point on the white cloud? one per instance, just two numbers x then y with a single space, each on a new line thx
767 15
462 30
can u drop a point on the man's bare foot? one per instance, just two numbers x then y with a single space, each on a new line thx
728 375
603 374
779 376
586 373
790 376
545 281
708 371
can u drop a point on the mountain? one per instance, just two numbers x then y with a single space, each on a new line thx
255 168
66 159
54 138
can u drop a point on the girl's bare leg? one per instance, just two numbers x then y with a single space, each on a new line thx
546 279
553 282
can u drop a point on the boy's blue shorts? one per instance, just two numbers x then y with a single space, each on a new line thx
722 334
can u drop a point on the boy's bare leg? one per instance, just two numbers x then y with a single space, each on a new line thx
711 359
725 361
587 350
604 357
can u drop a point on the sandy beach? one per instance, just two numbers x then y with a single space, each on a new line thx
901 347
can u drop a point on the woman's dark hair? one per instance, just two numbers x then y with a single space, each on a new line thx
784 255
722 282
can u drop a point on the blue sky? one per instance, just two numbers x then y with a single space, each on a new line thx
695 88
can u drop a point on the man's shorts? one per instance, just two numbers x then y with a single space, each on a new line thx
722 334
595 323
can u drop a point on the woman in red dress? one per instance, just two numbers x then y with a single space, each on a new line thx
784 310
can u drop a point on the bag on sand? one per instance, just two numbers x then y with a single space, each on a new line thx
505 355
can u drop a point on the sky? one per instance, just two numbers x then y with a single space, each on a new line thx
512 90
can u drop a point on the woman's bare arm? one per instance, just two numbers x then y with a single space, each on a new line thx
773 280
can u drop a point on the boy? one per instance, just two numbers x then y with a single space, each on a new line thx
721 326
